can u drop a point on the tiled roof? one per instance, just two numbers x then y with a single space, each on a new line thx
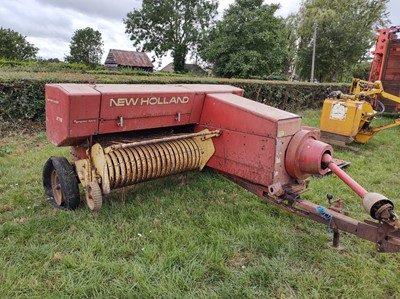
128 58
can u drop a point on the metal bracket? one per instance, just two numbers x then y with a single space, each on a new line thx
121 121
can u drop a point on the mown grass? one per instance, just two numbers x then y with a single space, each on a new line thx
193 235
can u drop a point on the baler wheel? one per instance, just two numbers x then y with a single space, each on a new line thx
60 183
93 196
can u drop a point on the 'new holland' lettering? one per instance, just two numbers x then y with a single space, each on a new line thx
123 102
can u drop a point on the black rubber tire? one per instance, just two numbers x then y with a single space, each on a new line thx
68 183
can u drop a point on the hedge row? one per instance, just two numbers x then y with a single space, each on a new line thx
43 66
23 99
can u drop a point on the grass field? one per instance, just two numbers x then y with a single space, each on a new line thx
193 235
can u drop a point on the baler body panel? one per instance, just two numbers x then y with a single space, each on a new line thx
254 139
200 92
75 112
143 107
72 113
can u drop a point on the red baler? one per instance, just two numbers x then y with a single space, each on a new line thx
126 134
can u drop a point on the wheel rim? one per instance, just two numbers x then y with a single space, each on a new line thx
93 196
56 188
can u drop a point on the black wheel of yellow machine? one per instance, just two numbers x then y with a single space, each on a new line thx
93 196
60 183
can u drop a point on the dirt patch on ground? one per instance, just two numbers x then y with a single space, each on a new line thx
240 260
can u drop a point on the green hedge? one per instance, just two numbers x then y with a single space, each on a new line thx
289 96
23 99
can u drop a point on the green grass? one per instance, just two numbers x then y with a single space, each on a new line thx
193 235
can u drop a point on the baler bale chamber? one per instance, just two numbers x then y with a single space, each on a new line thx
122 135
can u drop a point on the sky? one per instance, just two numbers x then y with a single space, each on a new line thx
50 24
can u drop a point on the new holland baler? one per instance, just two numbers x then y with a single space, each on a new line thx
122 135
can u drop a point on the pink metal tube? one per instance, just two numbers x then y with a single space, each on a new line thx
348 180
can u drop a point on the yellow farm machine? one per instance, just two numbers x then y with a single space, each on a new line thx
347 117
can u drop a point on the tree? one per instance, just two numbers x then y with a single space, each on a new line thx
14 46
249 41
170 25
344 35
86 47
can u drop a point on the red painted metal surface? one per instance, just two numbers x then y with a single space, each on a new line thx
142 107
78 152
356 187
385 65
380 52
75 112
304 155
72 113
254 138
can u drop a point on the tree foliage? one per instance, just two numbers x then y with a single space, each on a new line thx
176 25
86 47
249 41
344 35
14 46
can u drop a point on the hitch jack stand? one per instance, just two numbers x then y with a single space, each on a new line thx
336 241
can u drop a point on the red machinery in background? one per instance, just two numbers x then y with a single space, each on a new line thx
126 134
385 65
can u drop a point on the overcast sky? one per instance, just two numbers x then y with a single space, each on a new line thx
50 24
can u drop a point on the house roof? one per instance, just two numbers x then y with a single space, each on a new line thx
129 58
194 68
168 68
